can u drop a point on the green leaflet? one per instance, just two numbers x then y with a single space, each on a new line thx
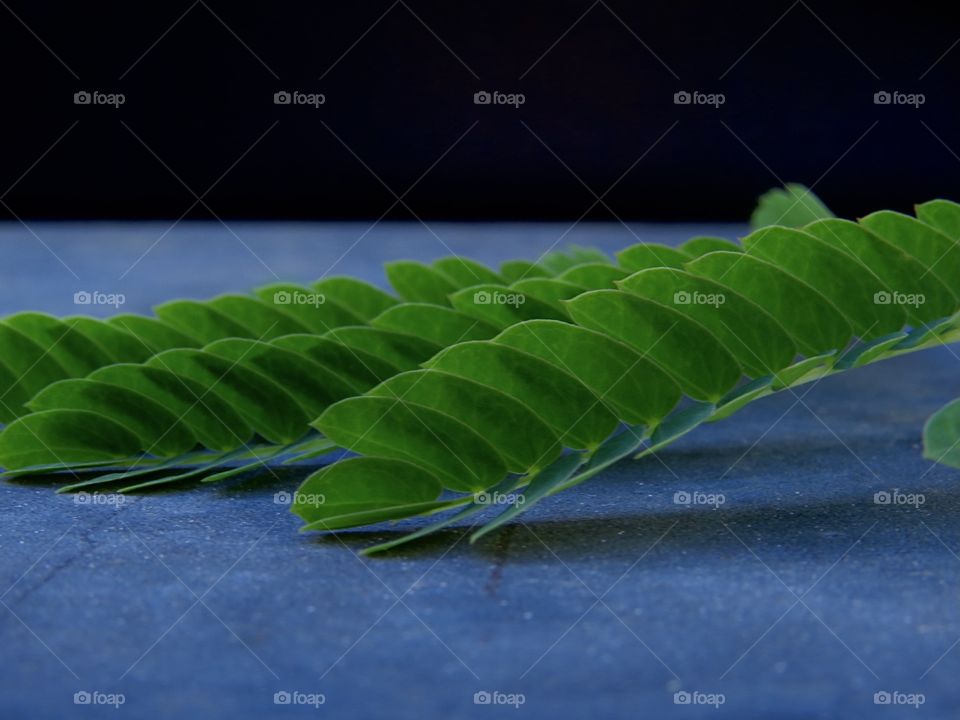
813 322
440 325
30 367
159 431
703 244
64 436
261 320
401 350
466 273
664 336
941 435
560 399
515 270
120 345
415 282
307 310
939 253
15 397
364 300
558 262
401 430
66 345
312 385
752 336
500 306
152 333
633 388
200 321
650 255
490 413
265 405
360 491
550 291
593 276
358 368
212 420
850 285
944 215
899 271
791 206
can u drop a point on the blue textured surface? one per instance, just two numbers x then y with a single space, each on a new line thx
798 598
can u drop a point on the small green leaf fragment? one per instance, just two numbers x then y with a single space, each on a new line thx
941 435
792 206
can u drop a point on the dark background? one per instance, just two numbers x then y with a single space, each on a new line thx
399 80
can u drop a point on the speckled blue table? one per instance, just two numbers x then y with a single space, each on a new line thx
799 597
